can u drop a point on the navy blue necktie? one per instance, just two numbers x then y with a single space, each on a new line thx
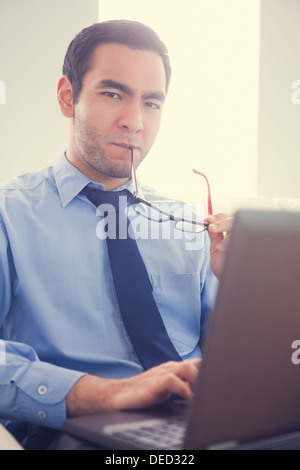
139 311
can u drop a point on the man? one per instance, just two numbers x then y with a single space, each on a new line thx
65 348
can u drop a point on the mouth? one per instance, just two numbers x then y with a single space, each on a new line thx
125 146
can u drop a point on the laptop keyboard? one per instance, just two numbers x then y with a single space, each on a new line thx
164 434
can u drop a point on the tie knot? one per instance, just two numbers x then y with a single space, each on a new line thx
115 198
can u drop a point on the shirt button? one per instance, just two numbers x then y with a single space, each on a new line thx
155 280
42 390
42 414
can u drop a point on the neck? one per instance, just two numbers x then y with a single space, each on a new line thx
109 183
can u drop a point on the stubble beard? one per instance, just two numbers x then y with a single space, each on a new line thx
86 141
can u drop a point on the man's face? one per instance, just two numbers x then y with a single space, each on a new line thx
120 105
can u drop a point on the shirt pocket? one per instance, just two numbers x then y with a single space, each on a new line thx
178 299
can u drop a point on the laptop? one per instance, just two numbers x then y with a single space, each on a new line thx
247 394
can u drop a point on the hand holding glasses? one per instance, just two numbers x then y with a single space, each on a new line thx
154 213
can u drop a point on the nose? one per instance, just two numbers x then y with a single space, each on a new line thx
131 118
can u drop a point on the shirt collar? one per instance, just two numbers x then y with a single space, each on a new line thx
70 181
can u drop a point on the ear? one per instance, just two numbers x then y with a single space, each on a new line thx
65 97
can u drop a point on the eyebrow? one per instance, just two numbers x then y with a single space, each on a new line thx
108 83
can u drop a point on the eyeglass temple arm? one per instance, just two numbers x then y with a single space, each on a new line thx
209 203
133 173
134 179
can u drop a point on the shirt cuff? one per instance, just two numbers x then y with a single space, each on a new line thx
41 393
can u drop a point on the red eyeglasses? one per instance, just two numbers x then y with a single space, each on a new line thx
209 203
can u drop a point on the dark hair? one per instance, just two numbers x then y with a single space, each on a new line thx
130 33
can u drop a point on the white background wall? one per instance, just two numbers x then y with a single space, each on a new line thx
279 102
210 119
34 36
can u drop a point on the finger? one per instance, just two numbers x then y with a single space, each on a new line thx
216 217
190 375
215 237
219 216
196 362
181 377
187 370
174 385
222 225
223 244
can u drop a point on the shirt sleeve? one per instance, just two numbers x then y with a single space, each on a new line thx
30 390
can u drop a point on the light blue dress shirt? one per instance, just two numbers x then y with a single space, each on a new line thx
59 315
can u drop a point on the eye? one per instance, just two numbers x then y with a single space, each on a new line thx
152 105
111 94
